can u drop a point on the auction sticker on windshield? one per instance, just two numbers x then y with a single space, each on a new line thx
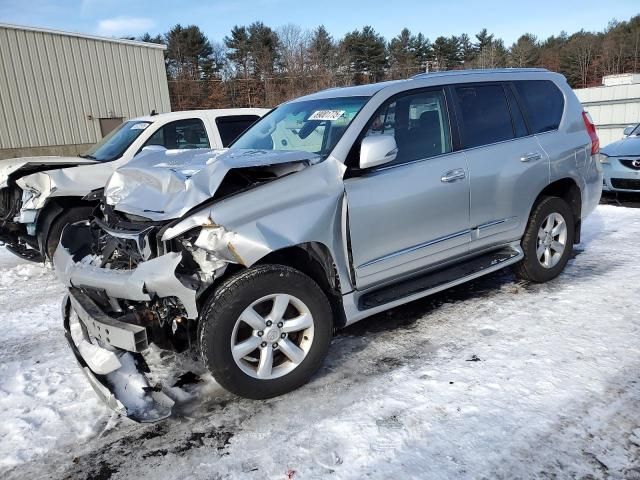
329 115
139 126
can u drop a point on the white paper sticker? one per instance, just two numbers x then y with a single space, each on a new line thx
139 126
330 115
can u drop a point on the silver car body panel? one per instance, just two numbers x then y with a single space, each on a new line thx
305 207
487 208
166 185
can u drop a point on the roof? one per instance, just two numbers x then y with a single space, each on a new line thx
476 71
220 112
373 88
367 90
134 43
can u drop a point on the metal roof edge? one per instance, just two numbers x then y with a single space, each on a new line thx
134 43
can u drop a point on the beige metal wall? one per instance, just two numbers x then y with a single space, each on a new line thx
612 108
54 86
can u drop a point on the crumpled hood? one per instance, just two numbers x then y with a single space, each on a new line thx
8 167
166 185
629 146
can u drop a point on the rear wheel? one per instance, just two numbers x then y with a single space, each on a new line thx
265 331
72 215
548 240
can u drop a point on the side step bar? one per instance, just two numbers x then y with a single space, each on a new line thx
432 282
24 252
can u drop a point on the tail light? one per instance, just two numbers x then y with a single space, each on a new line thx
591 130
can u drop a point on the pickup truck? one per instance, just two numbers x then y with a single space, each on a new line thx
39 196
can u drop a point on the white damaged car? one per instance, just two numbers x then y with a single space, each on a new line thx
39 196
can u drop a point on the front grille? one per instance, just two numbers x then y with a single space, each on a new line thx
625 183
632 164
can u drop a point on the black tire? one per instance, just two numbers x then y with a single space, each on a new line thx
225 306
72 215
530 268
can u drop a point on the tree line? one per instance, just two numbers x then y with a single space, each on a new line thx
256 65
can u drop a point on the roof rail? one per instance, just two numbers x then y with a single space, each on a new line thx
485 71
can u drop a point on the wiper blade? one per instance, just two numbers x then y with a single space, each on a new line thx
90 157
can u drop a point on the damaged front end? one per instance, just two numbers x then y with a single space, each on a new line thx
18 225
25 186
140 270
126 292
15 235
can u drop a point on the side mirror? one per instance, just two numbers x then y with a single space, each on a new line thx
153 148
377 150
627 131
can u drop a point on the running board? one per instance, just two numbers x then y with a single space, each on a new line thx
433 282
24 252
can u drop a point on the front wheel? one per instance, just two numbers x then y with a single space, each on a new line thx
548 240
265 331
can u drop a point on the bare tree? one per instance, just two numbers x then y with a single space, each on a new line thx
579 56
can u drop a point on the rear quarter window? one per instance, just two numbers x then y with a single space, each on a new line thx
543 102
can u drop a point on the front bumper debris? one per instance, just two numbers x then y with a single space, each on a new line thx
116 374
151 277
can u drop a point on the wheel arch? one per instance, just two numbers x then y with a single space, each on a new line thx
52 210
315 260
567 189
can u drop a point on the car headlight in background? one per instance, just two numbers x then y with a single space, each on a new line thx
603 158
36 188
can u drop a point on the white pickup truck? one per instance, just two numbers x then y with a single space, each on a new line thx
39 196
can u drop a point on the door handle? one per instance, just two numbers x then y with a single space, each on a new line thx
530 157
453 175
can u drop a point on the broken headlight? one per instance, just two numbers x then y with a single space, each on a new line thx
201 245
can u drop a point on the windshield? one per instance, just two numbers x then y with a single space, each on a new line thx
116 143
313 126
636 131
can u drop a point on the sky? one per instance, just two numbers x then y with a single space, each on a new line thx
506 19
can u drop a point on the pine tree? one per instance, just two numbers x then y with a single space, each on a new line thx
524 52
188 52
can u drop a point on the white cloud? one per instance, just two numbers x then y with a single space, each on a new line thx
124 26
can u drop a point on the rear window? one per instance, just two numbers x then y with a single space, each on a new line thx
485 115
543 102
232 126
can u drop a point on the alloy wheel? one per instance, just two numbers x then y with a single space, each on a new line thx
552 240
272 336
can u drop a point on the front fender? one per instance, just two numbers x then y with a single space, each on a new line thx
304 207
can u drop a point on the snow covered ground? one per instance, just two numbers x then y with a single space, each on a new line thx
554 391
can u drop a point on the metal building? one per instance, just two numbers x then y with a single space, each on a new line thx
613 106
62 92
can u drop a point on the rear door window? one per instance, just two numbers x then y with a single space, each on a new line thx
485 114
181 134
232 126
543 102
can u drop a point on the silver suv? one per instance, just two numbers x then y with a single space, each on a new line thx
331 208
